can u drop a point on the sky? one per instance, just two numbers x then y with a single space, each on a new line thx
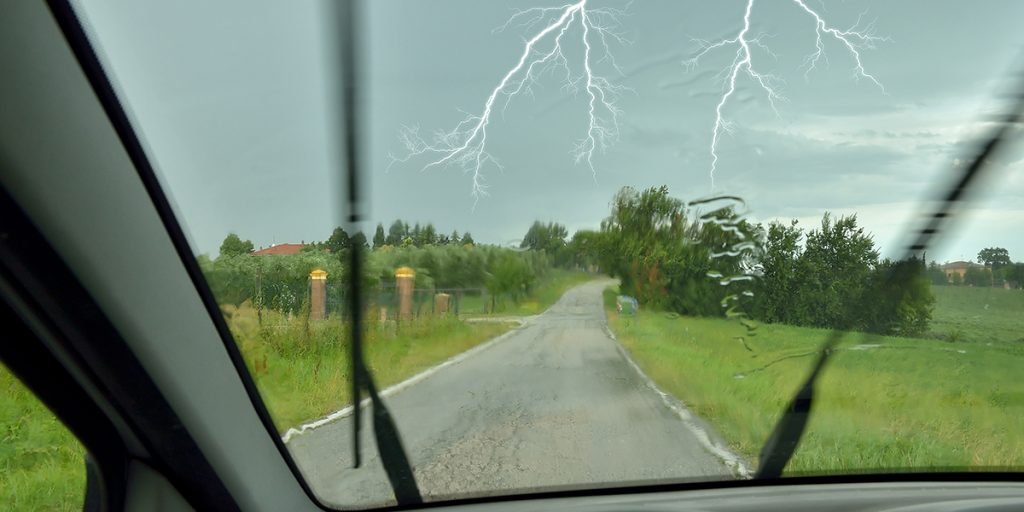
235 103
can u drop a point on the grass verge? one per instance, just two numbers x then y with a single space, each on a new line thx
896 404
302 371
42 465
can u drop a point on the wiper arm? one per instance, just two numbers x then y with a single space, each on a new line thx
786 434
389 443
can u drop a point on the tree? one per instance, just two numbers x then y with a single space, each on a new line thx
510 276
1014 274
978 276
396 233
338 241
467 239
636 232
994 257
548 237
584 248
775 298
454 237
936 275
429 235
835 266
417 235
235 246
665 254
358 239
379 240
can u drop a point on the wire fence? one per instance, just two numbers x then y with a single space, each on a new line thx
461 301
292 298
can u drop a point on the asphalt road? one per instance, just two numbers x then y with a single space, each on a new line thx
553 405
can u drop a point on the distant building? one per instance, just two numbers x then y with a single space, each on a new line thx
957 267
280 249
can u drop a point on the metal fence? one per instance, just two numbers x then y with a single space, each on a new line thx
461 301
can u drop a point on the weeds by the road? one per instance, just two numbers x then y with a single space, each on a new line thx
302 371
889 404
42 466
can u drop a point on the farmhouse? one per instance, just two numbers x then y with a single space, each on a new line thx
957 267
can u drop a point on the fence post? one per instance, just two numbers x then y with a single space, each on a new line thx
441 303
259 294
405 278
317 294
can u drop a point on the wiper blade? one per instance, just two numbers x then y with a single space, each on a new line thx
786 434
389 443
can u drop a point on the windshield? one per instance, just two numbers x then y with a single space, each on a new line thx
600 244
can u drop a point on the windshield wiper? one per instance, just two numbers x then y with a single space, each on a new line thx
389 443
790 428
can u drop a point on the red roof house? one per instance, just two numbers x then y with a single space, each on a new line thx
280 249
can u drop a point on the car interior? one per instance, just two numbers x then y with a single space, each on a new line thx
110 322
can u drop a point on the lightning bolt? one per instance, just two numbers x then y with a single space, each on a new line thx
465 145
854 39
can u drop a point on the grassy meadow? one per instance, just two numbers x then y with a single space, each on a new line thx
884 403
42 466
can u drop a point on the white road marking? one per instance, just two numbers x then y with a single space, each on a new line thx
391 390
727 456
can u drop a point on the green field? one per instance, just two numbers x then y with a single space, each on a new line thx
42 466
985 315
894 404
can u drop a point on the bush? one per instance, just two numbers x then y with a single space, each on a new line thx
899 299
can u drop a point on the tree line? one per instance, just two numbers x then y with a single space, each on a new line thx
832 277
280 281
400 234
694 258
